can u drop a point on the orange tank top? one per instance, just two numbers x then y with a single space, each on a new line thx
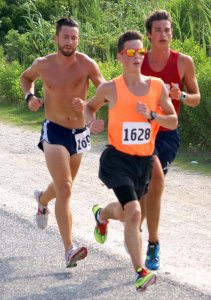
128 131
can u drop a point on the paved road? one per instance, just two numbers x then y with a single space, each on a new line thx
31 260
31 267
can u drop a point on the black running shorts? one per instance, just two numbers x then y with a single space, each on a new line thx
118 169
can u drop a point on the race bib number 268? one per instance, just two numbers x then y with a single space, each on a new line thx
83 143
136 133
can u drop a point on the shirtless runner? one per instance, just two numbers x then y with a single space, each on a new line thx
65 75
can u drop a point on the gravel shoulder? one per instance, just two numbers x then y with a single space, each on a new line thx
186 213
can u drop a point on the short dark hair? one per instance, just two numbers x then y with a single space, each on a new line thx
64 21
157 15
128 36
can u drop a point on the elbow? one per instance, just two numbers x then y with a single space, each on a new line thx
174 123
197 102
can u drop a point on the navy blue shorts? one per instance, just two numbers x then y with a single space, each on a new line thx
125 174
166 146
74 140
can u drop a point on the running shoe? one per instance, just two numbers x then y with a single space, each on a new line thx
153 256
75 254
144 279
100 231
42 212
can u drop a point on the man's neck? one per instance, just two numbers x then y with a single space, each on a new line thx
132 78
159 55
66 60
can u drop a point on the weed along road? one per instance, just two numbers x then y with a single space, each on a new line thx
32 262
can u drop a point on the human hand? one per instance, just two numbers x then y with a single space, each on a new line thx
35 103
143 109
96 126
175 92
78 104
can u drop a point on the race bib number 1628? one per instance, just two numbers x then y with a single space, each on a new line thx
136 133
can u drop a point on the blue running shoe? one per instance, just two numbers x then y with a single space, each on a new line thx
153 256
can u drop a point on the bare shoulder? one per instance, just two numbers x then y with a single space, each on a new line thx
107 91
89 68
85 59
185 59
107 87
43 61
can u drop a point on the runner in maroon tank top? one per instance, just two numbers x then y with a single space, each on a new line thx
177 71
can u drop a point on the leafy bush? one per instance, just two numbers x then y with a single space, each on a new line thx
29 28
10 89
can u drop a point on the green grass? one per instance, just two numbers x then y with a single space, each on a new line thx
21 116
195 160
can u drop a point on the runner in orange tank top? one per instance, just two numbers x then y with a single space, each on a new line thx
135 102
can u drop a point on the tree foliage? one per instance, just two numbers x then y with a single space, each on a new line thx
27 29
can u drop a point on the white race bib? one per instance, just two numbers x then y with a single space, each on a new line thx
136 133
83 141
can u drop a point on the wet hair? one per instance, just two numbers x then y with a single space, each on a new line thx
64 21
128 36
157 15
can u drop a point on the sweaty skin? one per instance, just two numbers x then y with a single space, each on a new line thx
65 76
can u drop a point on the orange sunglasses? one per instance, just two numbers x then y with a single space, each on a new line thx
131 52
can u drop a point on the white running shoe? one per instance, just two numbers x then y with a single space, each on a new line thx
75 254
42 212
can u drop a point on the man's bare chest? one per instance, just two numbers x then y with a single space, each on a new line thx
65 81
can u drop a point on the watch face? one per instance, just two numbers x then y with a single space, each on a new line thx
153 115
183 97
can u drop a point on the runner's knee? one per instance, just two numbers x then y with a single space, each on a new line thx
157 184
133 215
64 190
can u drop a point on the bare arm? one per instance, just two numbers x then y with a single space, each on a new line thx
27 79
95 74
105 93
186 66
169 118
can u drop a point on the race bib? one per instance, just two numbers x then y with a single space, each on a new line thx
136 133
83 141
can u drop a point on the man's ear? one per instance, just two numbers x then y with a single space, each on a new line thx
149 36
119 57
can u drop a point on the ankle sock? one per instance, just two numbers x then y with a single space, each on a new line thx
98 217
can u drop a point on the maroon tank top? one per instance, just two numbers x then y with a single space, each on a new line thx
168 74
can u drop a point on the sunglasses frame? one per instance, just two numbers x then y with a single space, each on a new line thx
143 51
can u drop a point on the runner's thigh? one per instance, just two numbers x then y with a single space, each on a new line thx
58 162
75 161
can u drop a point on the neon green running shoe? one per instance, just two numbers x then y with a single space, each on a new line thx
100 231
144 279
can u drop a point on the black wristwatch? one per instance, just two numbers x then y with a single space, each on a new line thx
153 115
27 97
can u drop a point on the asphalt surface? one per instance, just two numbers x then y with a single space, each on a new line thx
31 267
32 261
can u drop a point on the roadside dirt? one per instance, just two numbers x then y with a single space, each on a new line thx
186 211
